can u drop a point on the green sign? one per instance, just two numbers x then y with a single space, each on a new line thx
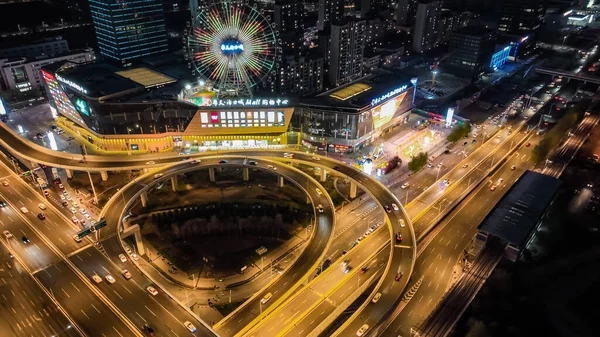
101 223
84 233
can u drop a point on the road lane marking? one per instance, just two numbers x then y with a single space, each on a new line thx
63 290
150 310
116 293
74 286
93 306
117 331
141 317
88 317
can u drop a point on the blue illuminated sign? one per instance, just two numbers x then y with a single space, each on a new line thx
500 57
392 93
232 47
81 106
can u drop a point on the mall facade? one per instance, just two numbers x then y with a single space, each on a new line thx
154 109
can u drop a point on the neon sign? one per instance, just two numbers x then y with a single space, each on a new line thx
232 47
71 84
390 94
244 102
81 106
449 116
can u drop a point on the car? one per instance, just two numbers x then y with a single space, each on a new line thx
66 193
376 298
87 216
500 180
110 279
41 216
126 274
319 192
148 330
493 187
398 237
266 298
513 167
252 162
5 183
195 161
152 290
7 234
150 162
362 330
122 257
46 193
474 141
315 158
528 145
446 182
42 206
62 197
402 224
465 166
75 220
222 161
65 203
288 155
25 239
395 207
465 143
97 278
76 238
363 270
61 186
387 209
272 167
345 263
405 185
158 175
24 210
337 168
347 270
320 208
439 165
590 185
398 277
73 210
69 197
135 257
82 211
429 165
189 326
75 204
2 203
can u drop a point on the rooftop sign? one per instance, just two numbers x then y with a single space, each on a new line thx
390 94
71 84
247 102
232 47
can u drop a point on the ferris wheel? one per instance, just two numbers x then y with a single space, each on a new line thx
233 45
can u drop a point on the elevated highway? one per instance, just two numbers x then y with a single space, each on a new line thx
568 74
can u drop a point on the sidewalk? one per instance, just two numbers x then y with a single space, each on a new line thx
158 265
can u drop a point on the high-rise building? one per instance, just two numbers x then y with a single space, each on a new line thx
404 13
425 34
330 11
301 75
347 48
522 20
129 29
288 17
471 49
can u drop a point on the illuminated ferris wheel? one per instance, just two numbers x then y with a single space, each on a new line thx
233 45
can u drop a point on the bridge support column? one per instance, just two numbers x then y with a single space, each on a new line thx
280 181
69 173
174 183
104 175
137 234
352 190
307 199
246 173
144 199
323 175
211 174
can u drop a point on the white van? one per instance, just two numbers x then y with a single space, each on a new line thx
266 298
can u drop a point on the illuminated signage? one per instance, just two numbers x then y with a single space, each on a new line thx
524 39
247 102
449 115
71 84
2 109
81 106
232 47
392 93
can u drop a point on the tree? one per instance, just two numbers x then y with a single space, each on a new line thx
418 161
459 131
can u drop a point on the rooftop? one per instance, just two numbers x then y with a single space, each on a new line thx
146 77
99 79
518 212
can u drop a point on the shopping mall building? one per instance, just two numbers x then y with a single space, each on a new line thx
154 108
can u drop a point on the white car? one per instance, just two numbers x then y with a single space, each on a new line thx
110 279
189 326
319 192
61 186
87 216
376 297
272 167
402 224
395 207
7 234
97 279
75 220
69 197
73 210
122 257
315 158
405 185
152 290
150 162
362 330
24 210
82 211
135 257
62 197
42 206
158 175
76 238
75 204
320 208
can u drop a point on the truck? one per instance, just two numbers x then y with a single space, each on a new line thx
392 164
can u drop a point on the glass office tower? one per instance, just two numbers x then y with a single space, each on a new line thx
129 29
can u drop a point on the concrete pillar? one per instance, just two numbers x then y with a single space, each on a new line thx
104 175
211 174
323 175
246 173
144 199
69 173
352 190
174 183
135 230
280 181
307 199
